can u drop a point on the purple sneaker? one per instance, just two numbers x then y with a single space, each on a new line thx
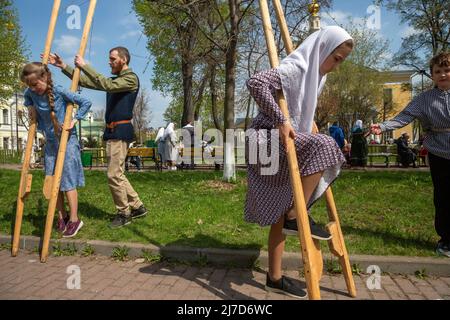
62 224
72 229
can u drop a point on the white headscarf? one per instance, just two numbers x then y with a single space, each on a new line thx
359 124
300 76
169 130
160 134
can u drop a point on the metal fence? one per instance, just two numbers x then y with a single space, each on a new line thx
10 156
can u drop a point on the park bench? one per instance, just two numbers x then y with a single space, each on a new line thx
387 152
146 154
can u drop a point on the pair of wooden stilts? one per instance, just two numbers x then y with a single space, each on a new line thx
310 248
312 256
52 183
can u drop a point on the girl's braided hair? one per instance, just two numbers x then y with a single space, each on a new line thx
41 71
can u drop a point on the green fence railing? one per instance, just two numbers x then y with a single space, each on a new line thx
10 156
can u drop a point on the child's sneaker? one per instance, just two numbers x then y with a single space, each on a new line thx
62 224
72 229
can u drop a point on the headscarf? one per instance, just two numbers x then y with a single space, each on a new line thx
300 76
169 130
160 134
359 124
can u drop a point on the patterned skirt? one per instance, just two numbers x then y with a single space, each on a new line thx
269 194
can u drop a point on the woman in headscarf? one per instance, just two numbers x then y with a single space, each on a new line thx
359 149
161 146
301 77
170 148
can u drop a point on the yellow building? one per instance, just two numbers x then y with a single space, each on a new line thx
397 95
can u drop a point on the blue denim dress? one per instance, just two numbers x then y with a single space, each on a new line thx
72 175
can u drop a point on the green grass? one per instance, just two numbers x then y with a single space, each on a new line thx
382 213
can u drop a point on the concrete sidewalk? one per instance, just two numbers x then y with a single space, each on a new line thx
101 278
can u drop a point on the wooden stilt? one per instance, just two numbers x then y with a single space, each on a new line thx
26 178
64 138
311 254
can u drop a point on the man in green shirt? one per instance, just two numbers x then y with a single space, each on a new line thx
121 93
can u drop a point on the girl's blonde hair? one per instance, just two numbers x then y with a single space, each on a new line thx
41 71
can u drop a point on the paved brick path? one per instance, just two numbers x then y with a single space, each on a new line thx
24 277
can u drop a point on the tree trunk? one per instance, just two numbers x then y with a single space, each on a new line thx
188 107
198 99
213 92
187 68
229 173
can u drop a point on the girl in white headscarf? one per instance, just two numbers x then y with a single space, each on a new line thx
301 77
161 146
171 150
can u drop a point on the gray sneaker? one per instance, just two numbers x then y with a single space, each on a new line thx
286 286
290 229
120 220
139 212
443 249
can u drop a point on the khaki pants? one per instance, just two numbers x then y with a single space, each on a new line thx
124 196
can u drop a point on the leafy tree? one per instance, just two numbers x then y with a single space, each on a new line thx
13 51
430 20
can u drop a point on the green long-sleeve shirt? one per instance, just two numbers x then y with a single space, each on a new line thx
125 81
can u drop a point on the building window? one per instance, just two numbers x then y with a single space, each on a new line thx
20 115
387 103
5 143
5 116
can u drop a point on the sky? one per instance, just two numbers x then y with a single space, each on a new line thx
115 24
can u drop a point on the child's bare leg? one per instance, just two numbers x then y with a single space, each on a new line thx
60 206
276 248
309 184
276 237
72 198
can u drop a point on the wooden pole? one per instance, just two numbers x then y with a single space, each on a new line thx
338 238
64 138
312 274
26 178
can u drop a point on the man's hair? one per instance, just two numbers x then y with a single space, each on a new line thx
441 60
123 53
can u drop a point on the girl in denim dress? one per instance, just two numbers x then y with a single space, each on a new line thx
47 104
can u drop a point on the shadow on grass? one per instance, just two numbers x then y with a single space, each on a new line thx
37 216
198 241
390 238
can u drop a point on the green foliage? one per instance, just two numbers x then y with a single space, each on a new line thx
431 24
13 52
150 257
346 97
333 266
356 268
421 274
87 250
120 253
68 250
5 246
